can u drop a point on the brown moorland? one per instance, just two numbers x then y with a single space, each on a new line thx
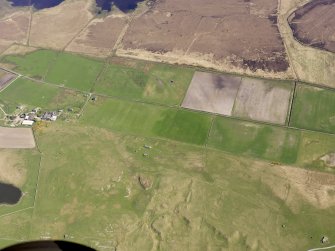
313 24
56 27
99 37
221 34
14 27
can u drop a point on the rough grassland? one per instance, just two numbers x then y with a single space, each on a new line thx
74 71
34 64
314 146
146 82
314 108
255 140
148 120
33 94
23 173
90 177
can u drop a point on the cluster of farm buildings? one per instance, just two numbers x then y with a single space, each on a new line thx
29 118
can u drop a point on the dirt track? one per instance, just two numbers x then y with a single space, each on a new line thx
16 138
314 24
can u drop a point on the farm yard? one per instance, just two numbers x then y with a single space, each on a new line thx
146 157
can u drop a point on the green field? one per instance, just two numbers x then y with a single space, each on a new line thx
314 109
256 140
34 64
90 177
32 94
125 174
154 83
74 71
148 120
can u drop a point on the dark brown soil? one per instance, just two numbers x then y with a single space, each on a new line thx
314 24
244 33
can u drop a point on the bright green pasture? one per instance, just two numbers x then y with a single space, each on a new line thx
256 140
314 109
33 94
148 120
34 64
74 71
157 83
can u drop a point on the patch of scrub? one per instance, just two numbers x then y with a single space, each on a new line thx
329 159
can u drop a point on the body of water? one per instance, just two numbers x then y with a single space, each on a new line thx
38 4
123 5
9 194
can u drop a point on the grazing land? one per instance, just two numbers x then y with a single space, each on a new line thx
141 171
74 71
16 138
263 100
199 204
313 24
30 94
34 64
148 120
149 82
314 108
212 93
261 141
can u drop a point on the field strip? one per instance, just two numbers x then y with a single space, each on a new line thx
24 209
315 249
172 106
